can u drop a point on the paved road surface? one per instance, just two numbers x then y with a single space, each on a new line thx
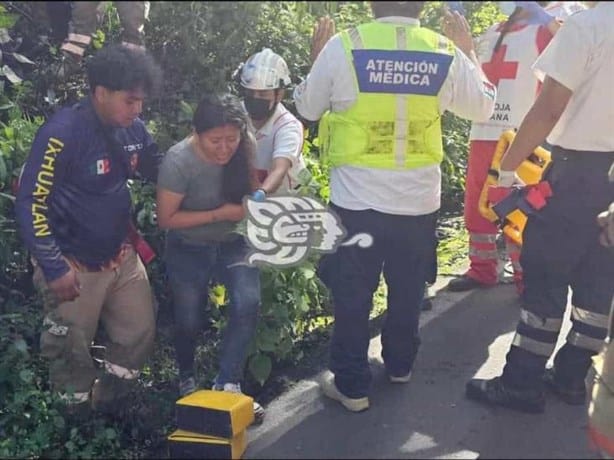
465 335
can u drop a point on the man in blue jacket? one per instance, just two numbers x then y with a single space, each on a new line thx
74 212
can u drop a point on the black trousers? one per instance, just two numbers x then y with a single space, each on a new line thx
402 248
561 250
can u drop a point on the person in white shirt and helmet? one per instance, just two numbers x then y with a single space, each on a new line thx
279 134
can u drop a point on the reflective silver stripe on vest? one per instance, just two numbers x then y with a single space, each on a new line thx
589 317
483 254
443 44
120 371
401 123
534 346
355 39
544 324
482 238
583 341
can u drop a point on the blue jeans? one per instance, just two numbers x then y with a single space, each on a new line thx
190 268
403 249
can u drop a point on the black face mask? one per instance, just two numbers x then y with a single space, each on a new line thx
258 109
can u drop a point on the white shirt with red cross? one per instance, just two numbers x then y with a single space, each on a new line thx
509 69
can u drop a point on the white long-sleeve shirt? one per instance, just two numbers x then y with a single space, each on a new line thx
330 86
581 58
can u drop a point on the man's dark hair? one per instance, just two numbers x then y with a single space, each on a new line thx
215 111
122 68
407 9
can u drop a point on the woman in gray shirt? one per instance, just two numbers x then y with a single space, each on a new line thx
201 184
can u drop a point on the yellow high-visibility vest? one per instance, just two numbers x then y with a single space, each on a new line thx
395 122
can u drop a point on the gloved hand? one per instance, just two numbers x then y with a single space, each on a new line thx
508 179
537 15
259 195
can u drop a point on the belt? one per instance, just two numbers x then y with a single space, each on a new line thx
559 153
111 264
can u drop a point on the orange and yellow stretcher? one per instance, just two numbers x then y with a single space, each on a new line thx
512 216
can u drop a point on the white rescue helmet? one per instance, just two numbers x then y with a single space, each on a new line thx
265 70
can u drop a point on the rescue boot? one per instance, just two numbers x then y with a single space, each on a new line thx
494 392
573 394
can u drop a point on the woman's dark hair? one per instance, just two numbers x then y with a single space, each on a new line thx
122 68
214 111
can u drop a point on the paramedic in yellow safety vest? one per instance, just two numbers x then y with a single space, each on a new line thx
386 84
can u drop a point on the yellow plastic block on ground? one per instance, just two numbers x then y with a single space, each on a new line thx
215 413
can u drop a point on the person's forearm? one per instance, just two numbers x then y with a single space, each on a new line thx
273 181
188 219
533 130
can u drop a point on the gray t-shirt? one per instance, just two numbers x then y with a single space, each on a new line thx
182 171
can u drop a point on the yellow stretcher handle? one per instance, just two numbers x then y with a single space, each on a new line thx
502 145
530 172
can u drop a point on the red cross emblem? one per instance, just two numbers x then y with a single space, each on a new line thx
498 68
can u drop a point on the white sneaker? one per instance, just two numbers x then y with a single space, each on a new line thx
236 388
330 389
400 378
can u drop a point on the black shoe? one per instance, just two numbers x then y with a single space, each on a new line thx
493 392
574 395
464 283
